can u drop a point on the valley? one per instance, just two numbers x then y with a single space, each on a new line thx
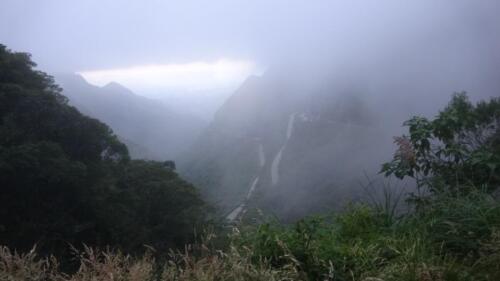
226 140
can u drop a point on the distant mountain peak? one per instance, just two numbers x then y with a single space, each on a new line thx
116 87
68 77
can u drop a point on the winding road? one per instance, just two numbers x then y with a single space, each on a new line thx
235 213
275 177
238 210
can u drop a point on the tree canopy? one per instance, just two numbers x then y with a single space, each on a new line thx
458 149
65 178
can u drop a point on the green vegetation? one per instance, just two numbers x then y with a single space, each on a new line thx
65 178
451 234
456 238
460 148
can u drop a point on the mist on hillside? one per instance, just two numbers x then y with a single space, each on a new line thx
285 106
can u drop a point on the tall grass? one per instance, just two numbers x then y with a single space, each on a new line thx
96 265
452 237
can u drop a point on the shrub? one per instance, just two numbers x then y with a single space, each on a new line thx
460 148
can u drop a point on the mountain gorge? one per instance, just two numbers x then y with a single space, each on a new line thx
150 128
260 140
289 150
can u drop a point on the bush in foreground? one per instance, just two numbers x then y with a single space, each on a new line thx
234 264
456 238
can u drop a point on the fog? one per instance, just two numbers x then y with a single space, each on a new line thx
85 35
368 37
398 58
452 38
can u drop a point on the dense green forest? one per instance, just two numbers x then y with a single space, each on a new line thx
65 179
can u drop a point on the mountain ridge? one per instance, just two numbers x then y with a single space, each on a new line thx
148 123
312 145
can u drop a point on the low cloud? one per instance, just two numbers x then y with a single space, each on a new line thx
192 76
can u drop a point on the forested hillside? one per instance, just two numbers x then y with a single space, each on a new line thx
66 179
449 230
223 140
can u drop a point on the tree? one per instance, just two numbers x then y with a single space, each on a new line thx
65 178
457 150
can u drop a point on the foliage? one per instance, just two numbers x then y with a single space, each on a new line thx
459 148
457 239
460 223
232 265
65 178
151 205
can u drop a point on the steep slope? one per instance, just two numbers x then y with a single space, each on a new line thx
152 130
317 147
66 179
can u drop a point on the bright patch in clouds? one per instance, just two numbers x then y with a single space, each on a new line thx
192 76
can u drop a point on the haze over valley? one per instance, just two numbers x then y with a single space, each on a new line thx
302 135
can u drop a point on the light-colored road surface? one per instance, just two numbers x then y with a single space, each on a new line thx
262 157
252 187
275 177
235 213
241 208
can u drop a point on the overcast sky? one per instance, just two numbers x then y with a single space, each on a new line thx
90 35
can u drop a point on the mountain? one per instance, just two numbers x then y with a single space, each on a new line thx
151 129
306 136
291 149
66 179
